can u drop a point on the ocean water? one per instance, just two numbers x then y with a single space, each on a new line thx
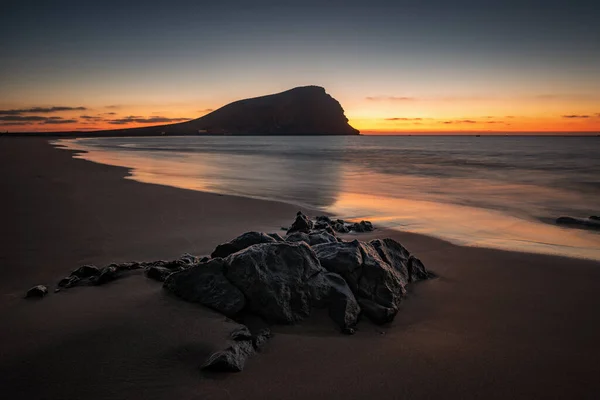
499 192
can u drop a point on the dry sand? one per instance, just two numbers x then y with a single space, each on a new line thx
495 324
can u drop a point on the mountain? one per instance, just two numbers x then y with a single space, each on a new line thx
306 110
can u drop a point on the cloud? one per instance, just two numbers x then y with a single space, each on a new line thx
57 121
109 113
40 110
403 119
91 118
575 116
142 120
113 107
206 110
23 120
391 98
494 122
14 123
461 121
19 118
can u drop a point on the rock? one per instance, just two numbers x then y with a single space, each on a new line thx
68 282
377 313
367 275
107 274
394 254
204 259
340 227
261 338
362 226
591 222
242 242
206 284
276 236
343 307
417 271
323 219
276 279
86 271
301 224
157 273
189 259
37 291
232 359
241 333
312 238
595 217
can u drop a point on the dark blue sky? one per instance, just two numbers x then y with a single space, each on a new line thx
117 51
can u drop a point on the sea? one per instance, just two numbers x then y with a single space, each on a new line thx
502 192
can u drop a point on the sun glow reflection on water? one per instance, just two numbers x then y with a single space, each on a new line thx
473 209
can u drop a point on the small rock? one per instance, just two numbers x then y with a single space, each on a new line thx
241 333
232 359
86 271
68 281
301 224
260 340
37 291
159 274
108 274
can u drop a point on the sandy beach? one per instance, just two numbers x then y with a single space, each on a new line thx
495 324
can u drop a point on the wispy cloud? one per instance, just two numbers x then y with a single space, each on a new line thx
575 116
42 110
461 121
21 118
142 120
113 107
91 117
206 110
28 119
403 119
391 98
58 121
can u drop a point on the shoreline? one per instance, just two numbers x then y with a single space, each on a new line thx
550 238
494 324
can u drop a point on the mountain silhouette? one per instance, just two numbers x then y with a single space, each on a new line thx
306 110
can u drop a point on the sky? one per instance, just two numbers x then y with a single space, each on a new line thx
395 66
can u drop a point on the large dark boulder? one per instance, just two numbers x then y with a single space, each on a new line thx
394 254
241 242
276 279
333 292
366 273
301 224
312 238
206 284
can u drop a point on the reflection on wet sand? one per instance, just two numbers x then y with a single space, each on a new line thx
468 225
463 208
308 182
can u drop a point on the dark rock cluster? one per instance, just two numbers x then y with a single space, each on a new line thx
593 222
304 225
281 280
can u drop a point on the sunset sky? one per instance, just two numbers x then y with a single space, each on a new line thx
401 66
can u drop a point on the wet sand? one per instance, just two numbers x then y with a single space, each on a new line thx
495 324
